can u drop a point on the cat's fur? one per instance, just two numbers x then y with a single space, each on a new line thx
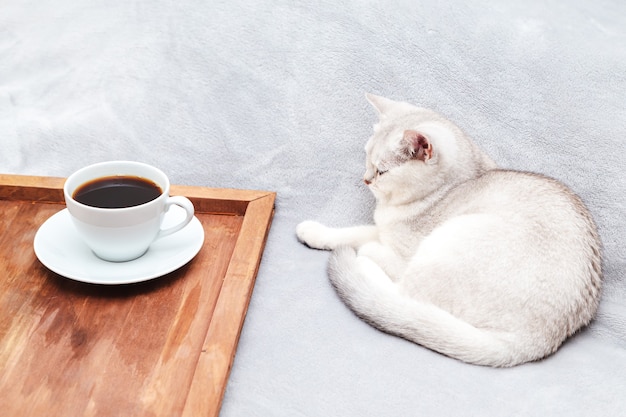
489 266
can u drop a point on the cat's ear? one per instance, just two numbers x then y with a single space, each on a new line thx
381 104
417 146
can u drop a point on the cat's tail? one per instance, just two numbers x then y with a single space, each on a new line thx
372 296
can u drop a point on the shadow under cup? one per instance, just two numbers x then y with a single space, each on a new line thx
122 234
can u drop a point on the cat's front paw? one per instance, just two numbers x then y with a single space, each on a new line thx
314 235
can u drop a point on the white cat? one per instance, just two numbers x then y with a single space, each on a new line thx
489 266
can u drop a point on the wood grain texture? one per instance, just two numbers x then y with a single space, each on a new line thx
159 348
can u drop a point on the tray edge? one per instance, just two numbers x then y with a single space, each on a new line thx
212 371
44 189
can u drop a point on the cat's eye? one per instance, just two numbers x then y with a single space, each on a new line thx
380 172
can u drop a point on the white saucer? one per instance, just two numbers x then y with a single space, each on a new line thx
59 247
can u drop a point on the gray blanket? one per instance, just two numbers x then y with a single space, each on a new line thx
270 95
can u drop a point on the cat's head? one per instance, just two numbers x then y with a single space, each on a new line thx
415 151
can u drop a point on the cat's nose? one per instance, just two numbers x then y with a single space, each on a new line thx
368 176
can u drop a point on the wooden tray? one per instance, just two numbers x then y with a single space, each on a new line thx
159 348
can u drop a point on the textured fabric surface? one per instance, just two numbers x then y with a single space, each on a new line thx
270 95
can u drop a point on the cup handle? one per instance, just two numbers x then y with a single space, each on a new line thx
186 205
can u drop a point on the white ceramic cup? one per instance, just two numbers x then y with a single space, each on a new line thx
123 234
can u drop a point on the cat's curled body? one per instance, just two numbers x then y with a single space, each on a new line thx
489 266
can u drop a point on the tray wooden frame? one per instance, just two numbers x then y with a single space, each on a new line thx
252 211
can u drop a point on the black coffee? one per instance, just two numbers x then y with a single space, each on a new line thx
117 192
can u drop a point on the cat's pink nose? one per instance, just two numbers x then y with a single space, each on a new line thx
366 181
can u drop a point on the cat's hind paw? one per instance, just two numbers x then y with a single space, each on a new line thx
315 235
